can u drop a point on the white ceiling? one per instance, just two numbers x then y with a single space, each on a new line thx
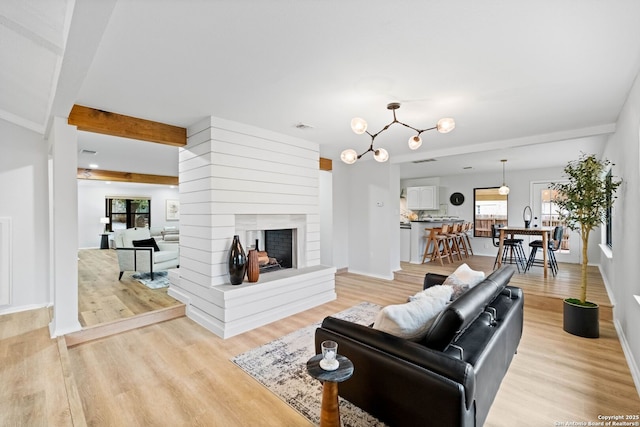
32 41
535 83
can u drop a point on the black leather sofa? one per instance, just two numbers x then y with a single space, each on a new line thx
452 376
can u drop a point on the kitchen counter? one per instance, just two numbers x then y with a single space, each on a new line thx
419 235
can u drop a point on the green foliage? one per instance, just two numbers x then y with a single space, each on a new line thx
584 200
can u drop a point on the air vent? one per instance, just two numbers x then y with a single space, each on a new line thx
83 151
424 161
303 126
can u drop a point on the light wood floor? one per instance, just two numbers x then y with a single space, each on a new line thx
177 373
102 298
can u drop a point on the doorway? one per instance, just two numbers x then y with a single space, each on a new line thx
545 214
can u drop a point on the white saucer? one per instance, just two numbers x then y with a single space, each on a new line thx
329 366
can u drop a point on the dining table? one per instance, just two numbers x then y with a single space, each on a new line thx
511 231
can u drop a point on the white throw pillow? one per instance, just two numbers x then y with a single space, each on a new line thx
463 279
412 320
438 291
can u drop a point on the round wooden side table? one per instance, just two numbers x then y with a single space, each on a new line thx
330 410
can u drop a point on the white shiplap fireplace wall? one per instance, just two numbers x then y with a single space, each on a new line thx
230 172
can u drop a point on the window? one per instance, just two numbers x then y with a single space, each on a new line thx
609 231
126 212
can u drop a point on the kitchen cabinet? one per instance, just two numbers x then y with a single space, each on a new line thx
405 244
422 198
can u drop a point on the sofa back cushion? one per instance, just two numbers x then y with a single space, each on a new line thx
458 315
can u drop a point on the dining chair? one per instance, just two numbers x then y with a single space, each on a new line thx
512 252
553 246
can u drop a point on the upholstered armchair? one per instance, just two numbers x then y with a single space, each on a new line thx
138 251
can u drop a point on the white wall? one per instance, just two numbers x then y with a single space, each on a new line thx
341 234
24 190
621 271
326 217
373 211
91 206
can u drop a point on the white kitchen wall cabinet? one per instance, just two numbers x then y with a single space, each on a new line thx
422 198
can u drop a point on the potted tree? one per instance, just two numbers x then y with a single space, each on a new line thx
584 202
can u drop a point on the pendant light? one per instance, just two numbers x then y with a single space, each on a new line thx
503 190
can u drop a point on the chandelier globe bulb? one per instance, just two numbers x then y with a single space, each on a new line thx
349 156
415 142
446 125
358 125
381 155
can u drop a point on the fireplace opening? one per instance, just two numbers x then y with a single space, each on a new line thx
276 250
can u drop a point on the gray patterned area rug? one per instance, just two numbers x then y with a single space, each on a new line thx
281 366
160 279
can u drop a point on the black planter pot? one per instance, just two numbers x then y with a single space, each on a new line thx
581 320
237 262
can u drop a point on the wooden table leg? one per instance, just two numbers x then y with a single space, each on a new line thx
330 411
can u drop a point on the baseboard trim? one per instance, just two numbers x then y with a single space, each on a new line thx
123 325
628 354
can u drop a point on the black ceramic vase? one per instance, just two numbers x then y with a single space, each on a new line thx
237 262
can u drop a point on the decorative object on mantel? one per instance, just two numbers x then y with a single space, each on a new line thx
253 269
584 203
526 216
359 126
503 190
237 262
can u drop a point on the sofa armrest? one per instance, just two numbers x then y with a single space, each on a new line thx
130 258
432 279
168 246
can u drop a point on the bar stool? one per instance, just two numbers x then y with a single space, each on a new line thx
438 242
460 238
431 243
452 241
469 230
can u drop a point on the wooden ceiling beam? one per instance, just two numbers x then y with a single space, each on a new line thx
326 164
98 121
104 175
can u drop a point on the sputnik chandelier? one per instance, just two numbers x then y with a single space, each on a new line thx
359 126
